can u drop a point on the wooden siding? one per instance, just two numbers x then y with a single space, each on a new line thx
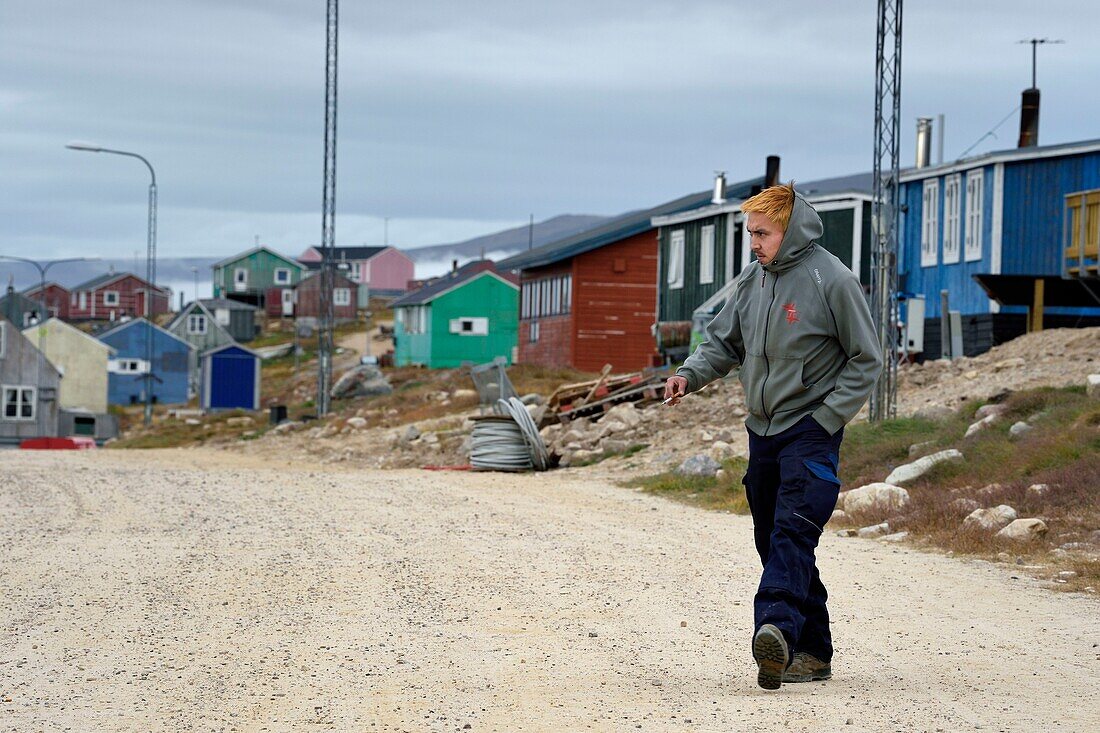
131 300
82 360
57 299
261 265
678 304
554 347
484 296
614 304
308 299
21 364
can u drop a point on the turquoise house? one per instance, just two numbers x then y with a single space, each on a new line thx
471 315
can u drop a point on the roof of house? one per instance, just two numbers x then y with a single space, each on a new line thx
1002 156
233 305
49 284
855 183
61 325
100 280
246 253
354 253
618 228
315 273
445 284
189 308
15 303
136 321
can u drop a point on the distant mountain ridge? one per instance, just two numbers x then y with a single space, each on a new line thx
507 242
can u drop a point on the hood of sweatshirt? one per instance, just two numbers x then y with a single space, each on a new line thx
803 229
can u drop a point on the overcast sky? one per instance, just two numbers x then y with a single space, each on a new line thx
461 118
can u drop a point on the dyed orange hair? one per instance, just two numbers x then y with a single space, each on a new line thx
774 202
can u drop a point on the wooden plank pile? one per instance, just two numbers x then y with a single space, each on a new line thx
593 398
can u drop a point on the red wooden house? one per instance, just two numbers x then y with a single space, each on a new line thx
591 299
115 295
305 302
57 298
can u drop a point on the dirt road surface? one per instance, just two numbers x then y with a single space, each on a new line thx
202 590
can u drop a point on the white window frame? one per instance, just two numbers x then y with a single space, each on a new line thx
567 306
222 316
675 275
110 298
196 324
706 255
341 296
83 300
533 332
952 188
282 276
470 326
930 223
240 278
975 198
20 392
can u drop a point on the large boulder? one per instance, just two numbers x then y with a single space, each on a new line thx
912 471
990 520
877 498
875 530
698 465
982 424
625 413
365 380
1092 386
1023 530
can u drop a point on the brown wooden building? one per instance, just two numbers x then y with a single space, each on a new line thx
56 297
115 295
591 299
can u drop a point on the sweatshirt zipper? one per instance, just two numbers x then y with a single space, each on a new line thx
767 362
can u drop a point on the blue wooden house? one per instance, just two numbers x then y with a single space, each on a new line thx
991 231
128 367
230 378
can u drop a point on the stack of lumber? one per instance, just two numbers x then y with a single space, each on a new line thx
592 398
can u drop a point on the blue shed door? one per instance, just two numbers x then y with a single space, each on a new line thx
232 381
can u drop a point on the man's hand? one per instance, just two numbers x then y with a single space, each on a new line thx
675 389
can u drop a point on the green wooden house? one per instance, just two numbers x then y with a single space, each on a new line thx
466 316
251 277
701 250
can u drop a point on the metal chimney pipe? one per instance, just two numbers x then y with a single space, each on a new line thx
771 171
719 196
1029 119
454 266
942 125
924 142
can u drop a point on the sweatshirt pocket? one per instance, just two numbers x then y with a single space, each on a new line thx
783 386
752 374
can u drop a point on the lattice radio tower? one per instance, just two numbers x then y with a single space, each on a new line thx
884 206
328 219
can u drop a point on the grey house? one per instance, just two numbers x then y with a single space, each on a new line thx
28 388
199 326
239 319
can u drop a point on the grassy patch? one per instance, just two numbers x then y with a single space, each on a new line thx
707 492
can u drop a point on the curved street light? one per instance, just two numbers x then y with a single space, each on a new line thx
150 260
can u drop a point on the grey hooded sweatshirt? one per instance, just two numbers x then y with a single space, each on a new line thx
800 329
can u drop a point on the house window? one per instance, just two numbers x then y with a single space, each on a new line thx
240 278
951 223
550 296
110 297
341 296
83 299
974 200
533 332
470 326
221 315
282 276
675 276
706 255
19 402
126 366
930 223
196 324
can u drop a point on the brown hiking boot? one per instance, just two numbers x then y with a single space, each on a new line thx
769 649
807 668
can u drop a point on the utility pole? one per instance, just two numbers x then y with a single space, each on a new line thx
884 203
328 218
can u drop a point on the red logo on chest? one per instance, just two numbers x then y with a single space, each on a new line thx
792 312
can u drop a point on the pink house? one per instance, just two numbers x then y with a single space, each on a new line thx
384 270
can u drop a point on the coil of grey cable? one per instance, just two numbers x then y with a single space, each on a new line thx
509 441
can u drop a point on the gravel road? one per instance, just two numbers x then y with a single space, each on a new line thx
202 590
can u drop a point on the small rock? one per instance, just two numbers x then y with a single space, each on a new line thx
965 506
357 423
1013 363
720 450
683 624
1024 530
721 474
875 530
1038 490
918 448
1067 574
846 532
592 634
1092 386
972 374
431 438
911 471
894 537
934 412
982 424
1004 557
611 446
239 421
698 465
875 497
464 394
1018 429
990 520
192 421
991 409
838 515
625 413
705 436
411 433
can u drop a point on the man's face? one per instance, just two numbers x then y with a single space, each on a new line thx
766 237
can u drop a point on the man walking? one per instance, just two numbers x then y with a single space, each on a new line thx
798 326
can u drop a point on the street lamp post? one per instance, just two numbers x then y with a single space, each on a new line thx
43 268
150 264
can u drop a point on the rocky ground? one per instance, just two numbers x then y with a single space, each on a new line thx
209 590
711 421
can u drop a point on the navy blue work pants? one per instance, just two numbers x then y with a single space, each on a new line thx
792 486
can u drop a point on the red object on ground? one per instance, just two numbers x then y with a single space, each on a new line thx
78 443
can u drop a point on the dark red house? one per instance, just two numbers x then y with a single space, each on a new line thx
57 298
305 300
114 295
591 299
